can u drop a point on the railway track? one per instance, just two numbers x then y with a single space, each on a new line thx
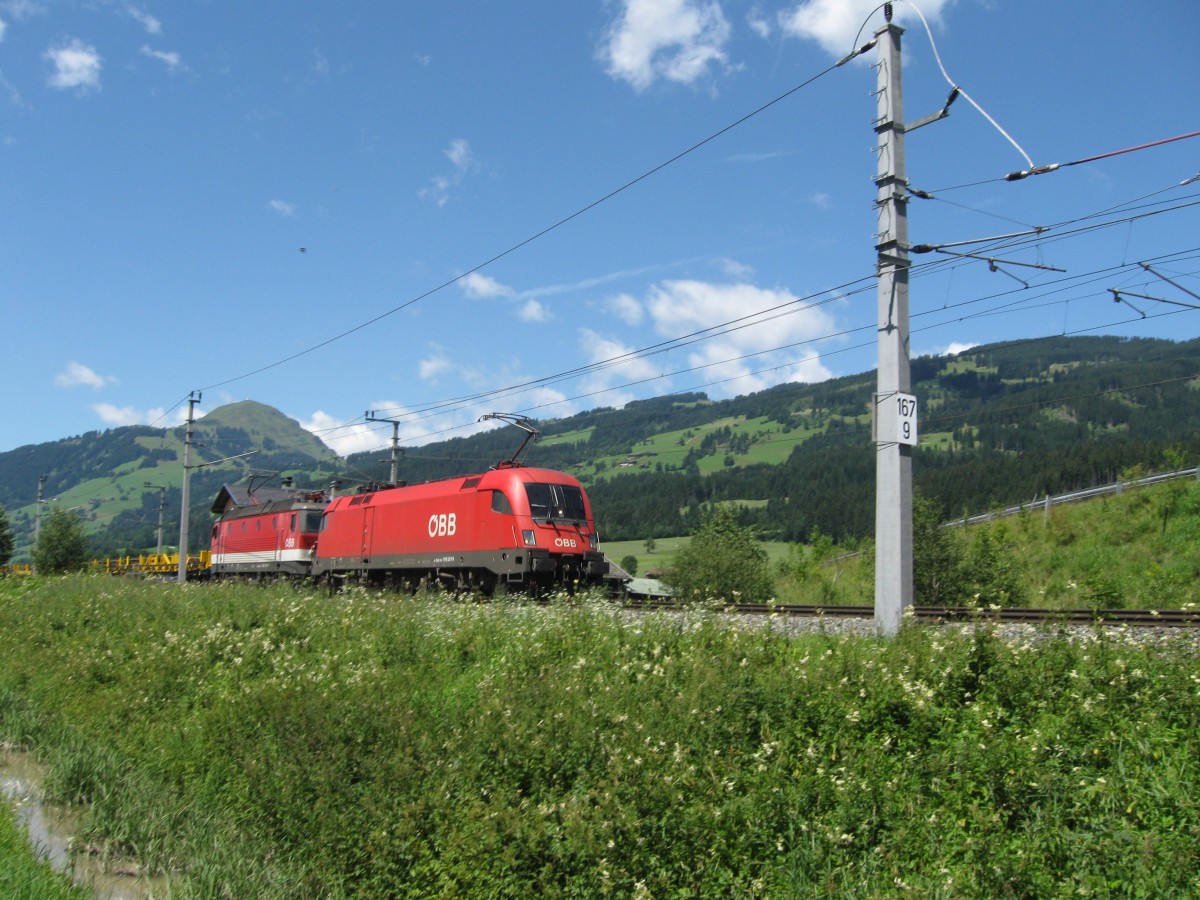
1153 618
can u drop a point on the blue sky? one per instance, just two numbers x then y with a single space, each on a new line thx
331 208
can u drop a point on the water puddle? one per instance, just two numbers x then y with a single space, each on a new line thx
51 831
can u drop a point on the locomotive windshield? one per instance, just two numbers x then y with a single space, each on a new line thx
556 502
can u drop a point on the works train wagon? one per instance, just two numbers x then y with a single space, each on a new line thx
516 526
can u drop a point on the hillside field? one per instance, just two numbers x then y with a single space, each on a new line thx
1139 549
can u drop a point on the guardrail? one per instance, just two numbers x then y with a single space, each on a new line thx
1048 501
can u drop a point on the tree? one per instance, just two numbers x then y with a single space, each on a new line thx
994 577
629 564
947 570
6 539
62 545
724 560
938 568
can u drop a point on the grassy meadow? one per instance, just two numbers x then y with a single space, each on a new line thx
275 742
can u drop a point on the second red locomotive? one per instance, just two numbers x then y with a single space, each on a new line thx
264 531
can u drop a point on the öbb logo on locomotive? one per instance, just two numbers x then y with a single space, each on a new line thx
443 524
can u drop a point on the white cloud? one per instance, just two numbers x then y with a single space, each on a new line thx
598 348
119 416
170 59
957 347
735 269
320 63
143 18
76 65
3 28
282 207
415 429
837 25
759 24
21 10
533 311
586 284
438 191
627 308
483 286
952 349
621 368
760 351
673 39
77 375
341 438
758 157
544 398
433 366
459 153
727 376
463 159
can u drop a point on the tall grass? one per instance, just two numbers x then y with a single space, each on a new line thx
24 876
1136 550
278 743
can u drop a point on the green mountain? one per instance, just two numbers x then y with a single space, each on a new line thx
104 474
249 425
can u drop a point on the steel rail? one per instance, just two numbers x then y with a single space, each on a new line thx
1157 618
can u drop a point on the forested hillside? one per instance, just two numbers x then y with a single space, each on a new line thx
999 424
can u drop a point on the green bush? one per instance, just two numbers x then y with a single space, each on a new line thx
6 538
62 544
724 561
939 576
950 570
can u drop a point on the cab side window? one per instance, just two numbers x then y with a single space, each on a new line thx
500 503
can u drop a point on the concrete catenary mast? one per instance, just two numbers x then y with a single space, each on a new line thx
193 399
895 408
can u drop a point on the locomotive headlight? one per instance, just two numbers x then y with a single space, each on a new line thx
593 541
529 536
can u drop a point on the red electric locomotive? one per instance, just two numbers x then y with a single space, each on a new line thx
265 531
516 526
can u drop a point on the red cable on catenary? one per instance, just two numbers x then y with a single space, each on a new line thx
1041 170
